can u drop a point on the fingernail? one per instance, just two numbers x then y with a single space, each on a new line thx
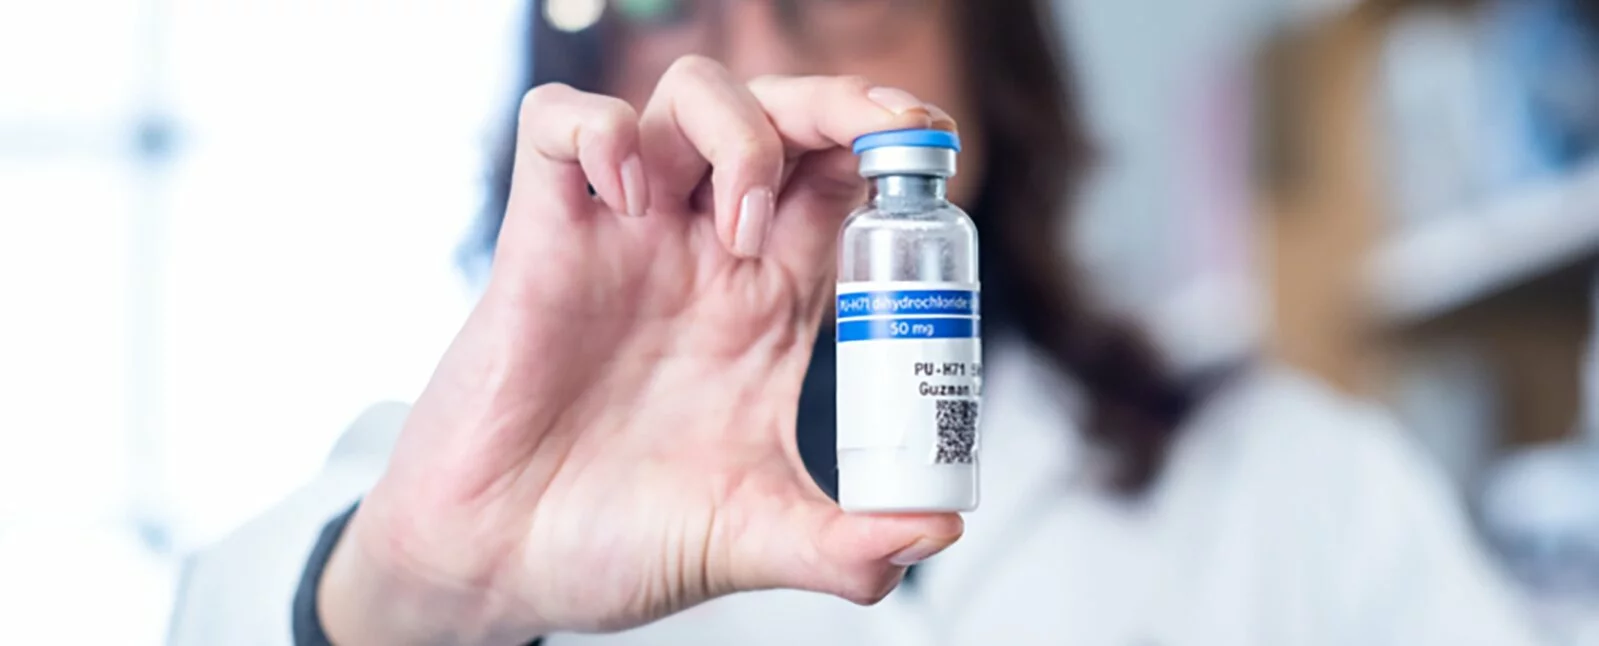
941 119
919 551
754 218
634 191
894 100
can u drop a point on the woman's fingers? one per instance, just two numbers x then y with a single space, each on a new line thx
822 190
775 137
749 137
569 141
819 118
822 112
701 119
822 116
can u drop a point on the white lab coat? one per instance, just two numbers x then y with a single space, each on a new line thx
1287 517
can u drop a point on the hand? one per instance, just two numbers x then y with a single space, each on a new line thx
610 439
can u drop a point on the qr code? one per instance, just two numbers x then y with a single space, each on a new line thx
957 431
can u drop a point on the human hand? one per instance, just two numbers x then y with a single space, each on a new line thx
610 438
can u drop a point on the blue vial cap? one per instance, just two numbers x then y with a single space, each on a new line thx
916 138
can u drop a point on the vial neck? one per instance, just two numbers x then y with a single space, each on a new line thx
908 192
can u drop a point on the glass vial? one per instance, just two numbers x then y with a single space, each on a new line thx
909 353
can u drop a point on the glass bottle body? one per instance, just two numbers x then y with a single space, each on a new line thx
908 232
909 354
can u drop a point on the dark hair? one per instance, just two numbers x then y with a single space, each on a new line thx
1037 150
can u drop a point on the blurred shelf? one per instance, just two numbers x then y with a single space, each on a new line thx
1461 258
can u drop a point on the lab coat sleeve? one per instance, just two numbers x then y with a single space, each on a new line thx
239 591
1420 577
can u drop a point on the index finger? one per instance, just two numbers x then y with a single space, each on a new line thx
821 112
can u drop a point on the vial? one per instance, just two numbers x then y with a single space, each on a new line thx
909 353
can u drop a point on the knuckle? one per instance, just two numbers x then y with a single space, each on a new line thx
853 84
764 79
541 97
611 115
695 66
751 147
768 80
595 116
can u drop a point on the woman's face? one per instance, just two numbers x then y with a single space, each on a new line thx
909 44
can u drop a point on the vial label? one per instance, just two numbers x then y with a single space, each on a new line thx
910 371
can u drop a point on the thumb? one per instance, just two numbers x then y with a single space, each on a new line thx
859 557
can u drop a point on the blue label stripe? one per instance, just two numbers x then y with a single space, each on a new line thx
922 302
908 328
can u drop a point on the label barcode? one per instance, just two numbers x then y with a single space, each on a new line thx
957 431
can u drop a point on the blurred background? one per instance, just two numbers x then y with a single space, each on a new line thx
228 226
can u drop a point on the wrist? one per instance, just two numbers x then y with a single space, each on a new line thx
369 595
